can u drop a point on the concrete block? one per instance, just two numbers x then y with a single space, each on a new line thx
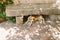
19 20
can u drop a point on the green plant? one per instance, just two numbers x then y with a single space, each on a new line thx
2 11
12 19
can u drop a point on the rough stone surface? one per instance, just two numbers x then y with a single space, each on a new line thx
37 31
33 1
29 9
19 20
53 17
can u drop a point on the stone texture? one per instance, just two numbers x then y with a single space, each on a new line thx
19 20
54 11
26 9
54 17
33 1
37 31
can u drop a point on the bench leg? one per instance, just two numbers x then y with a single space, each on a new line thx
19 20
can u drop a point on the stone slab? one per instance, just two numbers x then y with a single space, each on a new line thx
33 1
28 9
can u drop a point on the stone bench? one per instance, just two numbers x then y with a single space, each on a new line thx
31 7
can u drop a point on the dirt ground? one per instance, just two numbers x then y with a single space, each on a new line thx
37 31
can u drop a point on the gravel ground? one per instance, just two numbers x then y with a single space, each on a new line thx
37 31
